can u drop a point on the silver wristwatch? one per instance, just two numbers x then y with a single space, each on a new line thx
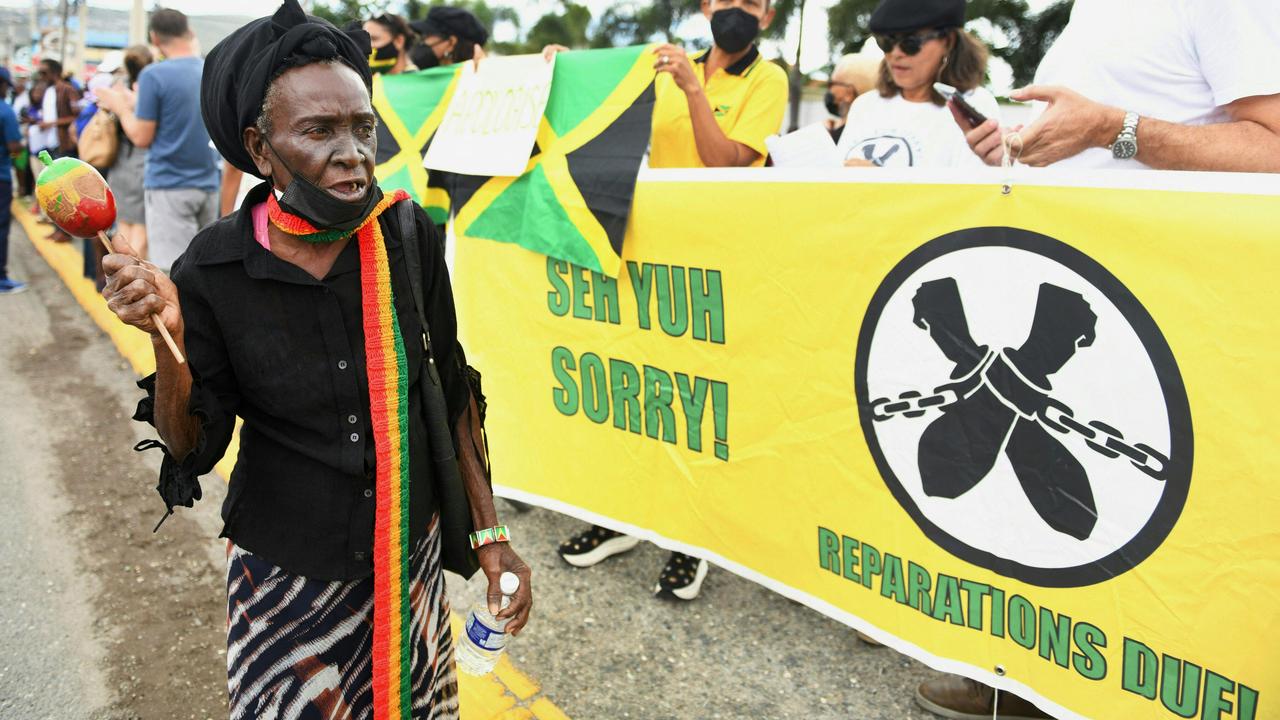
1125 146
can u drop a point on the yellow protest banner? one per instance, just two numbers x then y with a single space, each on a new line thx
1028 437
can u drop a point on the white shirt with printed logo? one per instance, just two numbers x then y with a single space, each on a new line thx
895 132
1175 60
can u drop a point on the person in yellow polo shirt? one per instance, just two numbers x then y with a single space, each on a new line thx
715 108
712 110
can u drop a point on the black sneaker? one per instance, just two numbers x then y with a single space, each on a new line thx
592 546
682 578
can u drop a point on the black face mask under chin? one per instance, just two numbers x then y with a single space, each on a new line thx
315 205
733 29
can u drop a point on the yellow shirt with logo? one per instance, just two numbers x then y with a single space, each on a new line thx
748 100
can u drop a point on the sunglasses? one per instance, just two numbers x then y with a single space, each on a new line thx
910 44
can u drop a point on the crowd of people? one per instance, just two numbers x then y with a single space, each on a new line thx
1129 85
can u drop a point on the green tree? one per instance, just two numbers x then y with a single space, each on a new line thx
488 15
341 12
1035 37
783 13
632 23
568 28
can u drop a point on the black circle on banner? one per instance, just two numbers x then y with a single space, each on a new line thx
1178 469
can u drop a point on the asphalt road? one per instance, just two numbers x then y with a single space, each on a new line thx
50 659
99 618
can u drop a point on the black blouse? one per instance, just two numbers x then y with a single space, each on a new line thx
284 351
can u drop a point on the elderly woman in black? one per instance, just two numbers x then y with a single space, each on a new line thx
321 314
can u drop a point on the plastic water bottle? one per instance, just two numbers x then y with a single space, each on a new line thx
484 637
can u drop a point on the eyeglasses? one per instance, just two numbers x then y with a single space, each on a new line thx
910 44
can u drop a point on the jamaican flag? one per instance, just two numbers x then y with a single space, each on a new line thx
410 107
573 199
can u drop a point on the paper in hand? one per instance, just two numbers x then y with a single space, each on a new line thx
811 146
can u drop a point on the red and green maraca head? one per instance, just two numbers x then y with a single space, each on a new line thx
75 197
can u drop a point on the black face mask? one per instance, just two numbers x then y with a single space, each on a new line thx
833 107
384 58
424 57
315 205
733 29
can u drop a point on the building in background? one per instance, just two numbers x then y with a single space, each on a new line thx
28 34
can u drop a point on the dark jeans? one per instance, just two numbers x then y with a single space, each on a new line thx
26 181
6 215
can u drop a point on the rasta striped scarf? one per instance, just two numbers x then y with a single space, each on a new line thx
389 409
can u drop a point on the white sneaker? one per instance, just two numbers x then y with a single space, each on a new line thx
595 545
682 578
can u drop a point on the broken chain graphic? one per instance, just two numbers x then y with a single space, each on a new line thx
1000 401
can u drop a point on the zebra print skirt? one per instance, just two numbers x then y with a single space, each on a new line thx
300 649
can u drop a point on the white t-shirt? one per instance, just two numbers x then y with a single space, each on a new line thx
1173 60
895 132
46 139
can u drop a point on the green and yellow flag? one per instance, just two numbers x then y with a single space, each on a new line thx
574 197
410 107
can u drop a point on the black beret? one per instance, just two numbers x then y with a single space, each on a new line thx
443 21
897 16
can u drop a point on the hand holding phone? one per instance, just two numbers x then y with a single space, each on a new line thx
970 114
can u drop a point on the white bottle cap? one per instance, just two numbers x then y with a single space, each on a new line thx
509 583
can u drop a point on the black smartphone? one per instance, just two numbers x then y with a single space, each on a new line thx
970 113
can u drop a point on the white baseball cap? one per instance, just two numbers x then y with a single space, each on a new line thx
111 62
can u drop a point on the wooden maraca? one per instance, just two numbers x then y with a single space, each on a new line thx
78 200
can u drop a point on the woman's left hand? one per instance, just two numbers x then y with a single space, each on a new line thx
496 559
1069 125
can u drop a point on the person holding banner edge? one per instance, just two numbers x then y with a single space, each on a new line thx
1149 84
321 313
713 109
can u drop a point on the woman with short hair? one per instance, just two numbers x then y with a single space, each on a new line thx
907 122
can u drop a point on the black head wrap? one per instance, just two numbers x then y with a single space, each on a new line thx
443 21
238 70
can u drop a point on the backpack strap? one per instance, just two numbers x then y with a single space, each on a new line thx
454 505
413 261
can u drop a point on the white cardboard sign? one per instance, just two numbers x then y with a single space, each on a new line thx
492 120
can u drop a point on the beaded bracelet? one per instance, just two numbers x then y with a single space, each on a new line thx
488 536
